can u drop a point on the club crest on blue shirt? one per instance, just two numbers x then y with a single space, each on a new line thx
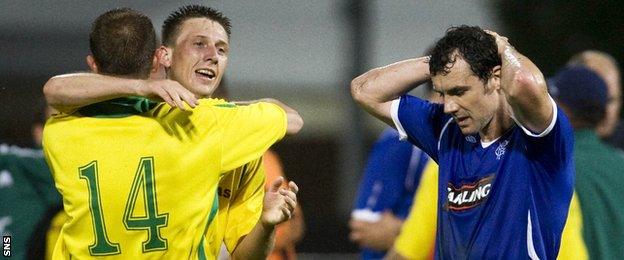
469 195
501 149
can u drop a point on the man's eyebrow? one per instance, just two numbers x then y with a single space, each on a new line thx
219 41
451 89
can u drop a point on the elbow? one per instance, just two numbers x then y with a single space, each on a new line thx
357 90
360 87
295 123
49 89
526 84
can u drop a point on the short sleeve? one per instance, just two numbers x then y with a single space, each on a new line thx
249 131
553 148
421 122
246 205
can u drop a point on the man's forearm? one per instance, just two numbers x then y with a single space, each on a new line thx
257 244
294 120
389 82
71 91
374 89
525 89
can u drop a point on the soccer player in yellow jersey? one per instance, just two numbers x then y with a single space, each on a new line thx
417 237
141 185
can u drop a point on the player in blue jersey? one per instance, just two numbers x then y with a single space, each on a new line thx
386 193
504 148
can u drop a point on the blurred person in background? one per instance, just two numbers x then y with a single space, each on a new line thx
287 234
27 190
583 95
611 128
503 147
387 191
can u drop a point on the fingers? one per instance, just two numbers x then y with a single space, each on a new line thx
172 93
293 187
497 36
287 212
276 184
177 100
355 237
291 202
187 96
356 233
162 94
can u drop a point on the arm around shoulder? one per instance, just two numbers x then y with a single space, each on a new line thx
69 92
294 121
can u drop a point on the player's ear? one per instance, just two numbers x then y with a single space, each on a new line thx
91 62
494 81
158 70
155 62
164 56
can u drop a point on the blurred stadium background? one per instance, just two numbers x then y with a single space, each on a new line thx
304 53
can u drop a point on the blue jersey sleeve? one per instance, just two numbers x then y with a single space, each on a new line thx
553 148
385 173
421 122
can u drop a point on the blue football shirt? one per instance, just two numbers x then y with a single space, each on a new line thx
389 182
507 199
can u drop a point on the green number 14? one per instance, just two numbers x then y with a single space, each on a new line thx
144 185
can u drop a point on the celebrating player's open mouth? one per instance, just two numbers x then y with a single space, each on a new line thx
205 74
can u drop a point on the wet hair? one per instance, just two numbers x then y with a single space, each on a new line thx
123 42
174 22
473 44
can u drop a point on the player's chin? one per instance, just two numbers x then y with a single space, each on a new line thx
468 130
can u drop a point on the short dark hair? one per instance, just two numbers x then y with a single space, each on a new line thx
172 24
475 46
123 42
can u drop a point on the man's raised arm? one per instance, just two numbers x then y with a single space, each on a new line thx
375 89
294 119
524 87
69 92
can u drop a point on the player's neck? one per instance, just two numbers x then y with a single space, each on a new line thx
498 125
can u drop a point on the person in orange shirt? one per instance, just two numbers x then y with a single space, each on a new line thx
290 232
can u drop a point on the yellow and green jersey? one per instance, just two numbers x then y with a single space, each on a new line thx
241 196
144 186
572 244
418 234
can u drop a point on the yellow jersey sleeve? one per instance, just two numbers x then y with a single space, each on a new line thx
246 205
249 131
53 232
241 196
417 237
572 244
